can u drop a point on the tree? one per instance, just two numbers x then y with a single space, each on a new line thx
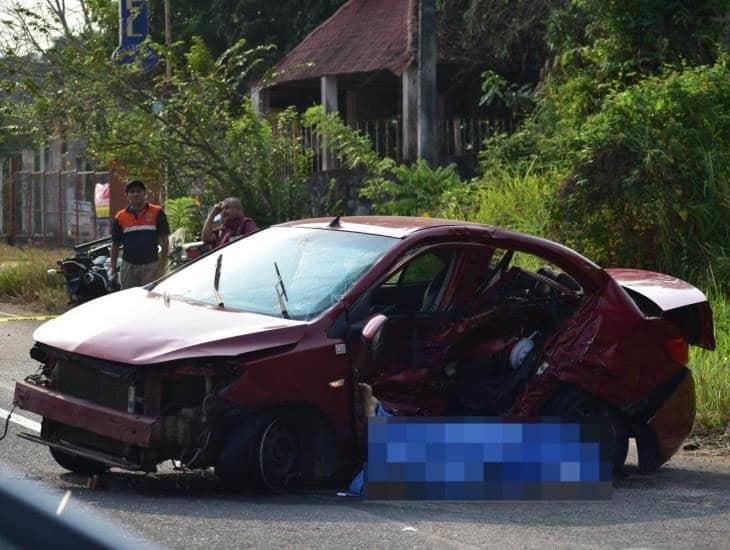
222 23
198 122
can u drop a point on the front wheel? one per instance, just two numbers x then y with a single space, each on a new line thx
77 464
279 456
71 462
263 453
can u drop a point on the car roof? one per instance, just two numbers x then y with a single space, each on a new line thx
387 226
401 227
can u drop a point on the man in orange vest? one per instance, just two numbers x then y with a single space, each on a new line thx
139 228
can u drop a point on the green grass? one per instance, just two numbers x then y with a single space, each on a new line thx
24 278
711 370
517 200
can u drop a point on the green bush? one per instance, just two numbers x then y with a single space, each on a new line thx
652 186
393 189
186 213
516 198
411 190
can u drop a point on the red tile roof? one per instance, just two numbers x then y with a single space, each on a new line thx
362 36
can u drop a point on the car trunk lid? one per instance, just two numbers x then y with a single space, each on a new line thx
659 295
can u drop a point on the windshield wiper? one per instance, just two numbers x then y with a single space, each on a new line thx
281 293
217 280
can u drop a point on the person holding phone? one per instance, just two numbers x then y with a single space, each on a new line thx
234 223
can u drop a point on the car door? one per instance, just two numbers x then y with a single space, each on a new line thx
418 297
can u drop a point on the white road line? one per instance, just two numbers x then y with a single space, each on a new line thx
21 421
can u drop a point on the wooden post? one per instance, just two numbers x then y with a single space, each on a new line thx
328 86
409 112
26 191
260 100
2 187
427 94
61 212
11 201
43 204
77 199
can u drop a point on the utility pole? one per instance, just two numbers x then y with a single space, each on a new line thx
427 60
168 38
168 74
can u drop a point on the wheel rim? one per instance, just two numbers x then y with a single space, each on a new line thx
279 455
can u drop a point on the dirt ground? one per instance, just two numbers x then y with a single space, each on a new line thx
8 309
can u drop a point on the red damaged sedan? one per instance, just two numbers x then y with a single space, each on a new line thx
247 360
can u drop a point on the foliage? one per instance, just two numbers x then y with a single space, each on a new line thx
508 37
517 199
186 213
517 98
393 189
221 23
632 120
710 368
354 149
411 190
196 126
656 161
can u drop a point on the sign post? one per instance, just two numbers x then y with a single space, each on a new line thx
133 31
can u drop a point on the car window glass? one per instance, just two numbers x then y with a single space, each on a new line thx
529 264
316 266
423 269
416 286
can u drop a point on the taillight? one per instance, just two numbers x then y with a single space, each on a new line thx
678 350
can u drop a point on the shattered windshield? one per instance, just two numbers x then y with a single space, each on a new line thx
313 267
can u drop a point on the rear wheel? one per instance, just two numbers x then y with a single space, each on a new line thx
572 401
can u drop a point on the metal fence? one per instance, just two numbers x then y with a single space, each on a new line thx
50 207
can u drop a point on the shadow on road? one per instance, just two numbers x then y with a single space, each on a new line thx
675 491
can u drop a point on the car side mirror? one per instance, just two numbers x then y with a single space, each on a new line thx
372 334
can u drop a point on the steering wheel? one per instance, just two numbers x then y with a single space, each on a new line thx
499 270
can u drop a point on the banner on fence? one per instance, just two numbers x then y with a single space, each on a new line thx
101 200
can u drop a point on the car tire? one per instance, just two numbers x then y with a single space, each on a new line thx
261 454
77 464
572 401
71 462
279 456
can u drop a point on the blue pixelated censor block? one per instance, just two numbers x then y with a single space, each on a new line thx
471 458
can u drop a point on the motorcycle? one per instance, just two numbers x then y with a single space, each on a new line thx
88 273
182 252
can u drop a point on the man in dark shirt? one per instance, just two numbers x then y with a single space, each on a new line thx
139 228
235 223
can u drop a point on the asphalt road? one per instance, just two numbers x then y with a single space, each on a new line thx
685 504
